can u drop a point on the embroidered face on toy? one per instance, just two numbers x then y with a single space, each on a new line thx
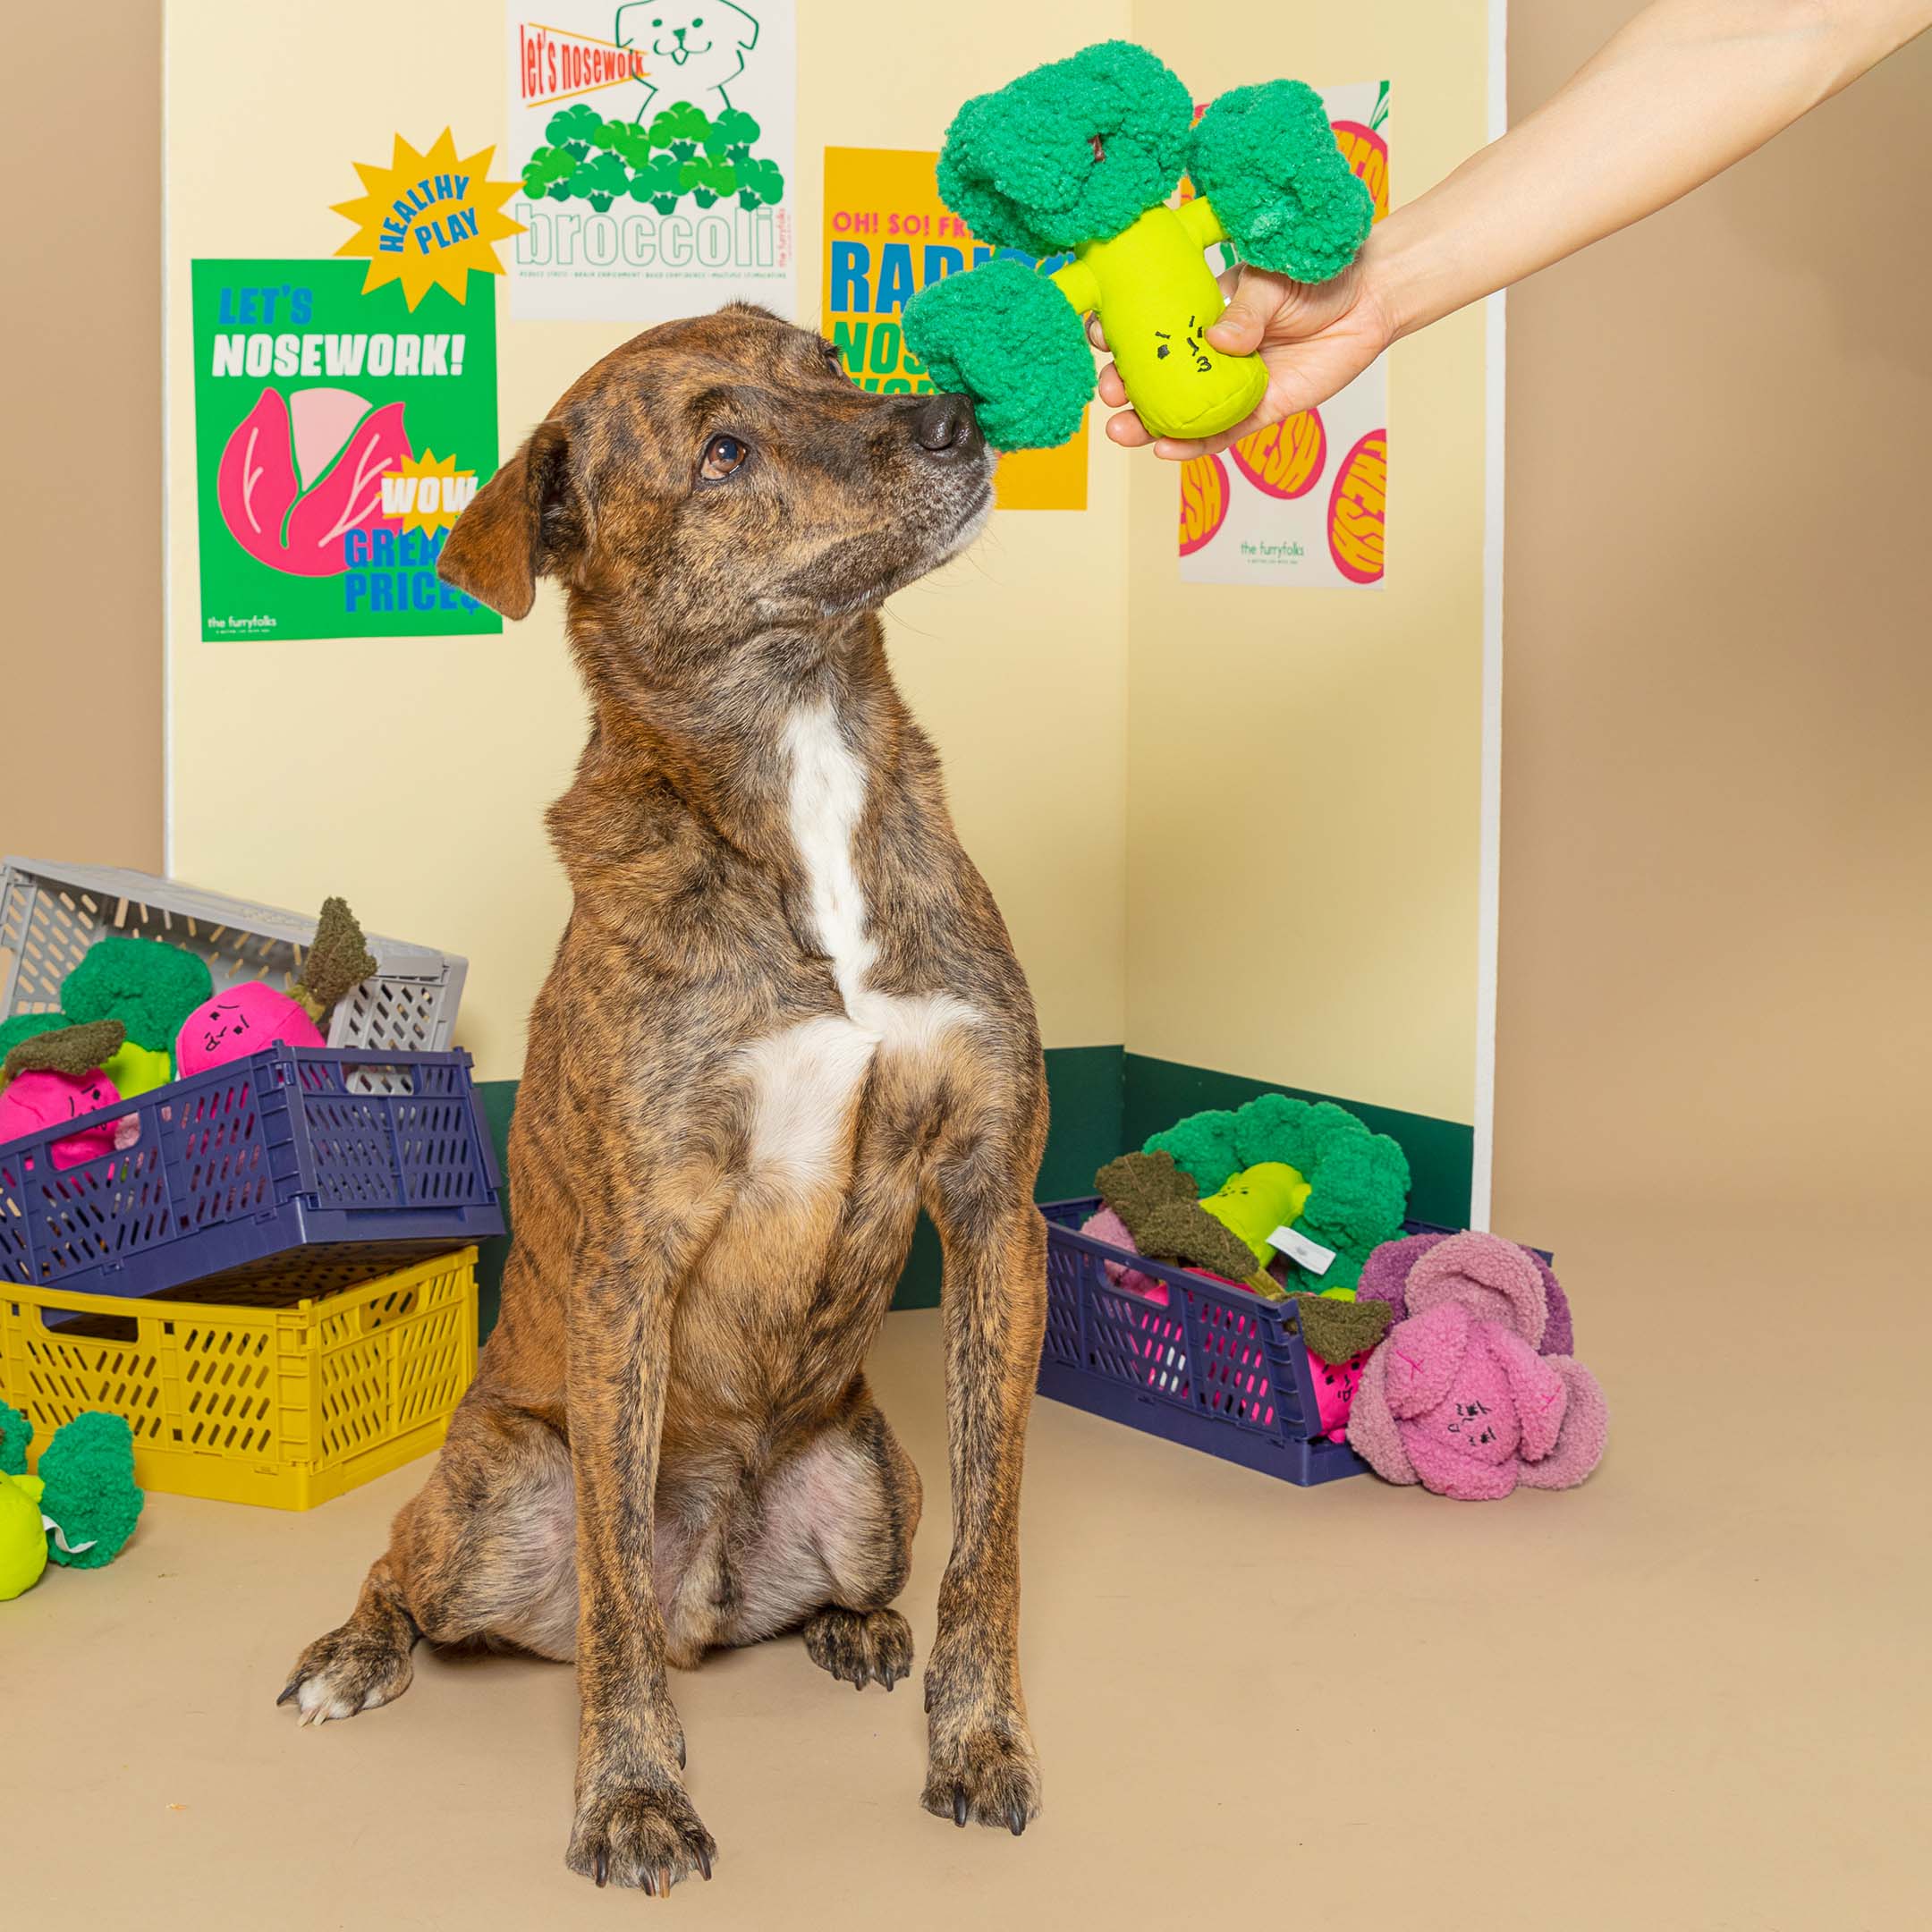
240 1021
1335 1384
45 1098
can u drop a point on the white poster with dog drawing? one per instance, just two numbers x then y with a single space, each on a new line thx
1304 501
655 142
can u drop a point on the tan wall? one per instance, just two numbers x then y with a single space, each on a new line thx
1303 816
1718 818
81 491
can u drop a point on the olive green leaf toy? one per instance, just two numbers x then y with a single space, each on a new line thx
1080 155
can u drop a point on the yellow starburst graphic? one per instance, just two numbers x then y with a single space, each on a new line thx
427 495
428 219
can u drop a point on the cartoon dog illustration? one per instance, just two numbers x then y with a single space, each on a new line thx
698 50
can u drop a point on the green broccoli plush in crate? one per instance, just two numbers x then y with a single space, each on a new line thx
1081 154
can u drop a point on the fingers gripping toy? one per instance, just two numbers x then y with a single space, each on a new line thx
244 1018
1081 155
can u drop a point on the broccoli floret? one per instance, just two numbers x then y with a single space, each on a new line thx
660 183
1008 338
28 1025
576 129
1266 158
628 141
681 128
91 1492
600 180
149 986
731 135
759 183
708 179
15 1433
1205 1145
1074 151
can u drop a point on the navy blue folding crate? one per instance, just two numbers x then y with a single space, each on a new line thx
294 1148
1221 1369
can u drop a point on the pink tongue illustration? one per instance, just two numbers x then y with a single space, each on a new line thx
258 491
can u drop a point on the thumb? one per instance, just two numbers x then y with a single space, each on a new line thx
1246 317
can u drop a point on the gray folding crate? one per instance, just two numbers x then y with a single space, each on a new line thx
51 914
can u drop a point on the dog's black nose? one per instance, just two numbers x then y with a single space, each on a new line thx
946 426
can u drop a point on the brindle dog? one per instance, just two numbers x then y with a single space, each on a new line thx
785 1015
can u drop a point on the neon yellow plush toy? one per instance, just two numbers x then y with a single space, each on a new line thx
82 1508
24 1545
1080 155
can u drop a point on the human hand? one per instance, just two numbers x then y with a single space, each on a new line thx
1314 338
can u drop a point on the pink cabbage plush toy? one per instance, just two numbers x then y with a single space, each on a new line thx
55 1077
1457 1398
242 1019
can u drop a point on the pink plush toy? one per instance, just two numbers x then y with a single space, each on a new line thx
1457 1398
246 1018
49 1081
240 1021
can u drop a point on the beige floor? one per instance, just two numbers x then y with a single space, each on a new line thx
1692 1694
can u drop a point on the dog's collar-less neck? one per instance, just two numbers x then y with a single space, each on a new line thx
718 738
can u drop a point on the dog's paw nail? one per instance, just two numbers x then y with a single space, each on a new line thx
703 1864
294 1684
958 1808
1016 1818
664 1881
681 1754
603 1868
650 1883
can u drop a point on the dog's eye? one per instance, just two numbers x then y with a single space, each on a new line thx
834 362
723 455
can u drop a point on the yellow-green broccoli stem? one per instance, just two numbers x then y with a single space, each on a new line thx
1156 298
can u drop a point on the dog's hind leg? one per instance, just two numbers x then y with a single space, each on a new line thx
483 1554
857 1636
824 1546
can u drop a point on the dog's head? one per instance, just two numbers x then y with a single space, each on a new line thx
721 475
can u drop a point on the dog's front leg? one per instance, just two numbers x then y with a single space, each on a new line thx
982 1761
634 1823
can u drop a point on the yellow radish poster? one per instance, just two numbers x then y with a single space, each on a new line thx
886 234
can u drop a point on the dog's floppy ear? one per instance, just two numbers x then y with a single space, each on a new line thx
524 523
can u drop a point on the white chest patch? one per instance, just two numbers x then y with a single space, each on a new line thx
806 1078
827 799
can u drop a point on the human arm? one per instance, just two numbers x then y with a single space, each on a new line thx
1686 90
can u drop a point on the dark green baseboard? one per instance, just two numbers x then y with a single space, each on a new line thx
1105 1099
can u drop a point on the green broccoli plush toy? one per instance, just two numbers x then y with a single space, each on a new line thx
82 1507
1081 155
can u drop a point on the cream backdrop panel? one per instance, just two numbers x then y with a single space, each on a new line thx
411 774
1304 815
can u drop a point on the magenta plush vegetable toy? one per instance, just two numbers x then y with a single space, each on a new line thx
244 1018
56 1077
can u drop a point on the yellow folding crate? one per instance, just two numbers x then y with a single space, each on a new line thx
284 1386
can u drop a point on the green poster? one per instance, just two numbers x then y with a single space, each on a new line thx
338 435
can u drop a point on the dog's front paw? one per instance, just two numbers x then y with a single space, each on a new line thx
644 1836
352 1669
860 1646
989 1771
